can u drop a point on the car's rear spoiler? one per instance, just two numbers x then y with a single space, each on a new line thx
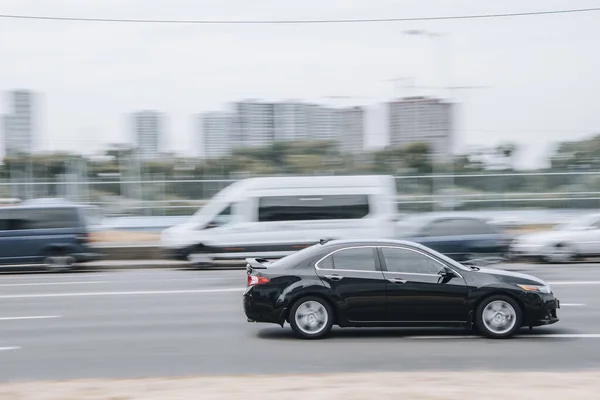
256 263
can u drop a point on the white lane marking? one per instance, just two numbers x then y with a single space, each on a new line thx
32 317
568 335
52 283
9 348
145 292
9 276
572 305
158 280
558 283
537 336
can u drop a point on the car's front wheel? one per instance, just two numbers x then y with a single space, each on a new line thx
561 253
311 317
498 317
59 261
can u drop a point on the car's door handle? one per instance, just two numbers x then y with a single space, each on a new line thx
397 281
334 277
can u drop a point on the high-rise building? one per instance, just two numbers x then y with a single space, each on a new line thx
19 123
326 124
422 120
217 134
259 124
352 129
148 128
254 124
293 121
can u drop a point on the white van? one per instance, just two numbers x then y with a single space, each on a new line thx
275 216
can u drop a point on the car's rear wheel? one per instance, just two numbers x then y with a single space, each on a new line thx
59 261
311 317
498 317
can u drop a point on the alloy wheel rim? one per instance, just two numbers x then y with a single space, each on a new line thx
499 317
562 253
311 317
58 262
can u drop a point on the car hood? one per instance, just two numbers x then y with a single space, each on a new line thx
518 277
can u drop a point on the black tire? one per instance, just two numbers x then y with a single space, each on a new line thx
319 331
510 329
564 254
59 260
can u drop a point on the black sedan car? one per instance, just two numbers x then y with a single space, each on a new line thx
458 237
388 283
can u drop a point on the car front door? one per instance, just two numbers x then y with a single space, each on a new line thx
416 289
356 282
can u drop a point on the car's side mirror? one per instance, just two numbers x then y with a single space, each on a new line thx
447 273
211 225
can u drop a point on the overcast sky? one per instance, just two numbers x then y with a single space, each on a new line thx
538 76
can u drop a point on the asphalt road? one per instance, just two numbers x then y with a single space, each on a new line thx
139 323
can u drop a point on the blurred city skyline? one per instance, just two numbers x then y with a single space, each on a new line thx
250 123
536 74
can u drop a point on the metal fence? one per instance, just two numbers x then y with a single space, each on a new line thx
155 195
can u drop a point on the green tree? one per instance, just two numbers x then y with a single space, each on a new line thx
417 156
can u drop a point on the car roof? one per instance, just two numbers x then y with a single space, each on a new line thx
428 217
295 182
371 242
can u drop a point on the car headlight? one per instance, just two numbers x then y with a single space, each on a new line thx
536 288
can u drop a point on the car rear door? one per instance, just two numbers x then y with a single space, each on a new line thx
416 292
356 282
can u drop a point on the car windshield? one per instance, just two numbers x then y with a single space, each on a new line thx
216 205
577 224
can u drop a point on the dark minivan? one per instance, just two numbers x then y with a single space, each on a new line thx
53 234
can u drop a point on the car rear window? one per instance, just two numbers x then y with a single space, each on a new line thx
297 257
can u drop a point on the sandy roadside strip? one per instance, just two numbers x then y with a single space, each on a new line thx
372 386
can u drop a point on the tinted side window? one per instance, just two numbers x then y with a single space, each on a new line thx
476 227
326 263
299 208
399 259
4 224
357 259
452 227
57 218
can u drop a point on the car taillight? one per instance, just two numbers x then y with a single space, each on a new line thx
257 280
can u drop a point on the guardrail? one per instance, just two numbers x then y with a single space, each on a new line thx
559 190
